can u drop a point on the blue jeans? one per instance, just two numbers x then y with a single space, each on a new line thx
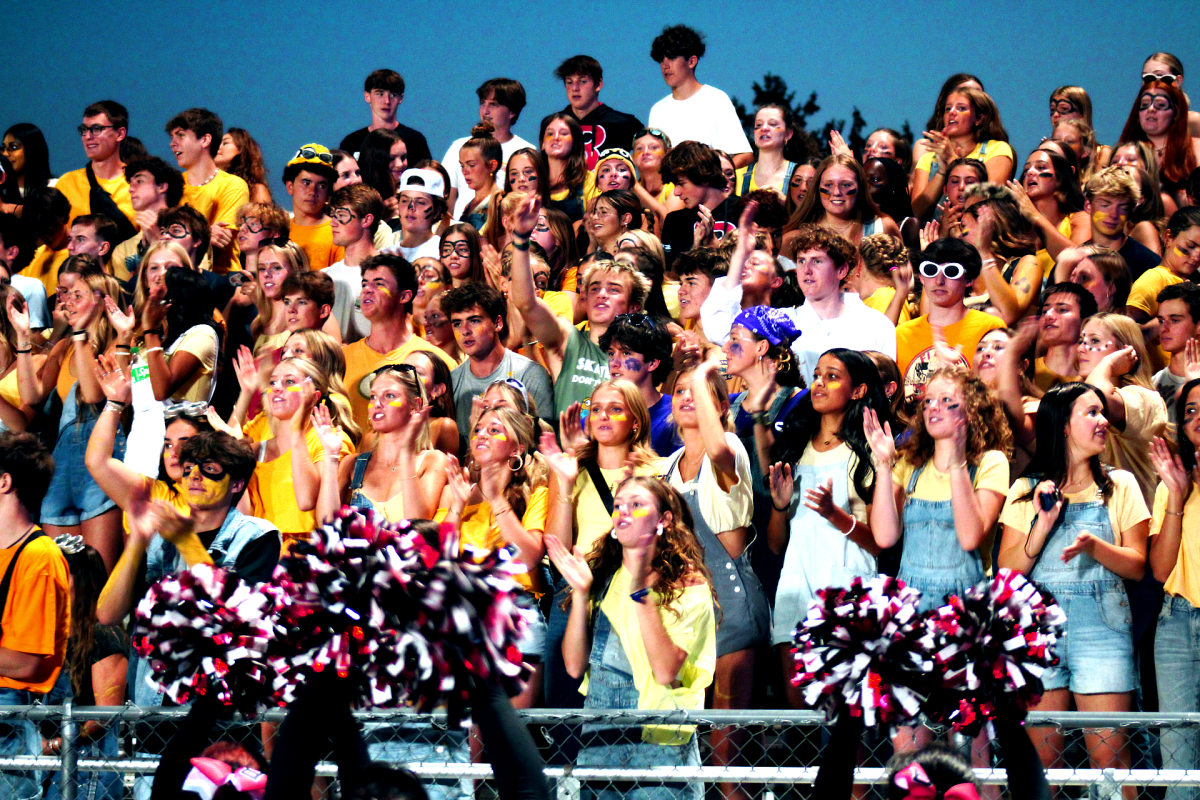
88 785
423 742
18 737
1177 664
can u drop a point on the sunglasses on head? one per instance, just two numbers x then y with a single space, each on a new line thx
196 410
953 271
1150 77
520 387
308 152
655 132
396 368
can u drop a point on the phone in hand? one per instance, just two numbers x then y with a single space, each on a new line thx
1049 499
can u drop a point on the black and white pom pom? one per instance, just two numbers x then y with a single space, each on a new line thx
204 631
860 650
991 647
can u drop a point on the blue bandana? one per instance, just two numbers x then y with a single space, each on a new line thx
772 324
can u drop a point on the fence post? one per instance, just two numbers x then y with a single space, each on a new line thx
69 756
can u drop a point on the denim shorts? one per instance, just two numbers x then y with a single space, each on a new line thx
533 643
1096 653
73 496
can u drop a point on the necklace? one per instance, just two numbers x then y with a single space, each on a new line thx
21 538
841 229
830 440
210 179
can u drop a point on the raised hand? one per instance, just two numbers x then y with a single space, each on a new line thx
879 439
781 484
572 566
412 426
18 316
820 499
493 268
929 233
123 322
943 354
113 380
154 312
1121 362
1028 209
219 424
1170 469
1191 359
837 144
331 437
246 370
703 230
458 481
564 465
524 219
746 224
570 428
902 278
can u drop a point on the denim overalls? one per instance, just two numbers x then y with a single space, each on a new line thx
610 686
933 560
817 555
1096 653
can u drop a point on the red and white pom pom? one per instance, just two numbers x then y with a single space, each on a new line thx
991 647
204 631
860 650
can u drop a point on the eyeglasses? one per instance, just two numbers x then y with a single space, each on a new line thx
1063 107
13 147
655 132
952 271
94 130
1150 77
275 241
177 231
196 410
241 278
252 224
461 248
344 215
308 152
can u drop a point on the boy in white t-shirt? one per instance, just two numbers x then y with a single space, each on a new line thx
500 103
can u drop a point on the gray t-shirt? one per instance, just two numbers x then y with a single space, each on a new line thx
514 365
1168 385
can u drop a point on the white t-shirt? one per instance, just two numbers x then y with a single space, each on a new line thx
431 249
858 328
34 293
457 181
707 116
347 286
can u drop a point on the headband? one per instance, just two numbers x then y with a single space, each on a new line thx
208 775
914 779
772 324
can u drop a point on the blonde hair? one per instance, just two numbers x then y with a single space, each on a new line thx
140 291
649 242
639 284
1128 334
414 390
533 472
289 253
337 402
640 451
716 388
881 253
101 333
1114 182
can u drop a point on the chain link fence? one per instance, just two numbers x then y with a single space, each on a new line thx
742 755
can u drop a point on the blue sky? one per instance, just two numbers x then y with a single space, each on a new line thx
292 73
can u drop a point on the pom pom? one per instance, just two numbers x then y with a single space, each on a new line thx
861 650
991 647
204 631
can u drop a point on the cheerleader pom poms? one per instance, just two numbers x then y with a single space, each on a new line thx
861 650
205 632
991 648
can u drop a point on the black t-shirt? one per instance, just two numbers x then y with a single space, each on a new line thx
414 140
604 128
679 228
1138 257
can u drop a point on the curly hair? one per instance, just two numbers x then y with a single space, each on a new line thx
533 472
882 253
987 425
817 237
678 557
676 41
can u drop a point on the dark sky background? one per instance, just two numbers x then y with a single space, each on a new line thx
292 73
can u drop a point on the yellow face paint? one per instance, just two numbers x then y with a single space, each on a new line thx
1099 219
432 285
617 417
640 512
500 437
1178 252
616 516
294 388
210 491
383 290
834 385
395 403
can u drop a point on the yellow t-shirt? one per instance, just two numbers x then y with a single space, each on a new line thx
562 304
44 267
692 626
1045 261
1144 294
361 361
592 520
75 186
201 342
1184 580
1126 507
317 243
162 491
272 490
570 281
914 344
37 614
992 473
995 149
1044 377
1145 418
218 200
258 429
881 298
480 529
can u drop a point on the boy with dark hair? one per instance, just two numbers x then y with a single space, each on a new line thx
188 228
698 270
1178 325
389 283
500 103
639 350
195 139
100 187
94 235
694 110
16 250
355 213
309 178
307 300
383 91
46 213
154 185
421 196
946 269
1064 308
707 214
479 315
603 127
37 606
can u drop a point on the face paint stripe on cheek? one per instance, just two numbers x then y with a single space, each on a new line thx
617 417
640 512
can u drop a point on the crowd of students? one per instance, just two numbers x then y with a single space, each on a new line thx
688 381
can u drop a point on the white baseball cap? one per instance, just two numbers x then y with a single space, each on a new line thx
428 181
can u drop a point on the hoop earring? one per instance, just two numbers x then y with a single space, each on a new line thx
613 533
660 529
520 463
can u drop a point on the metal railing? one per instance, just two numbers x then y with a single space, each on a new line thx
779 748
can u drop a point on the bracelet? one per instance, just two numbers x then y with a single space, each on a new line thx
960 465
989 262
519 245
496 513
152 350
777 508
79 336
640 595
1174 513
853 525
521 237
23 352
156 331
883 463
121 347
115 405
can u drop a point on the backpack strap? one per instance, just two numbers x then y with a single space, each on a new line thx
101 202
593 469
8 573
